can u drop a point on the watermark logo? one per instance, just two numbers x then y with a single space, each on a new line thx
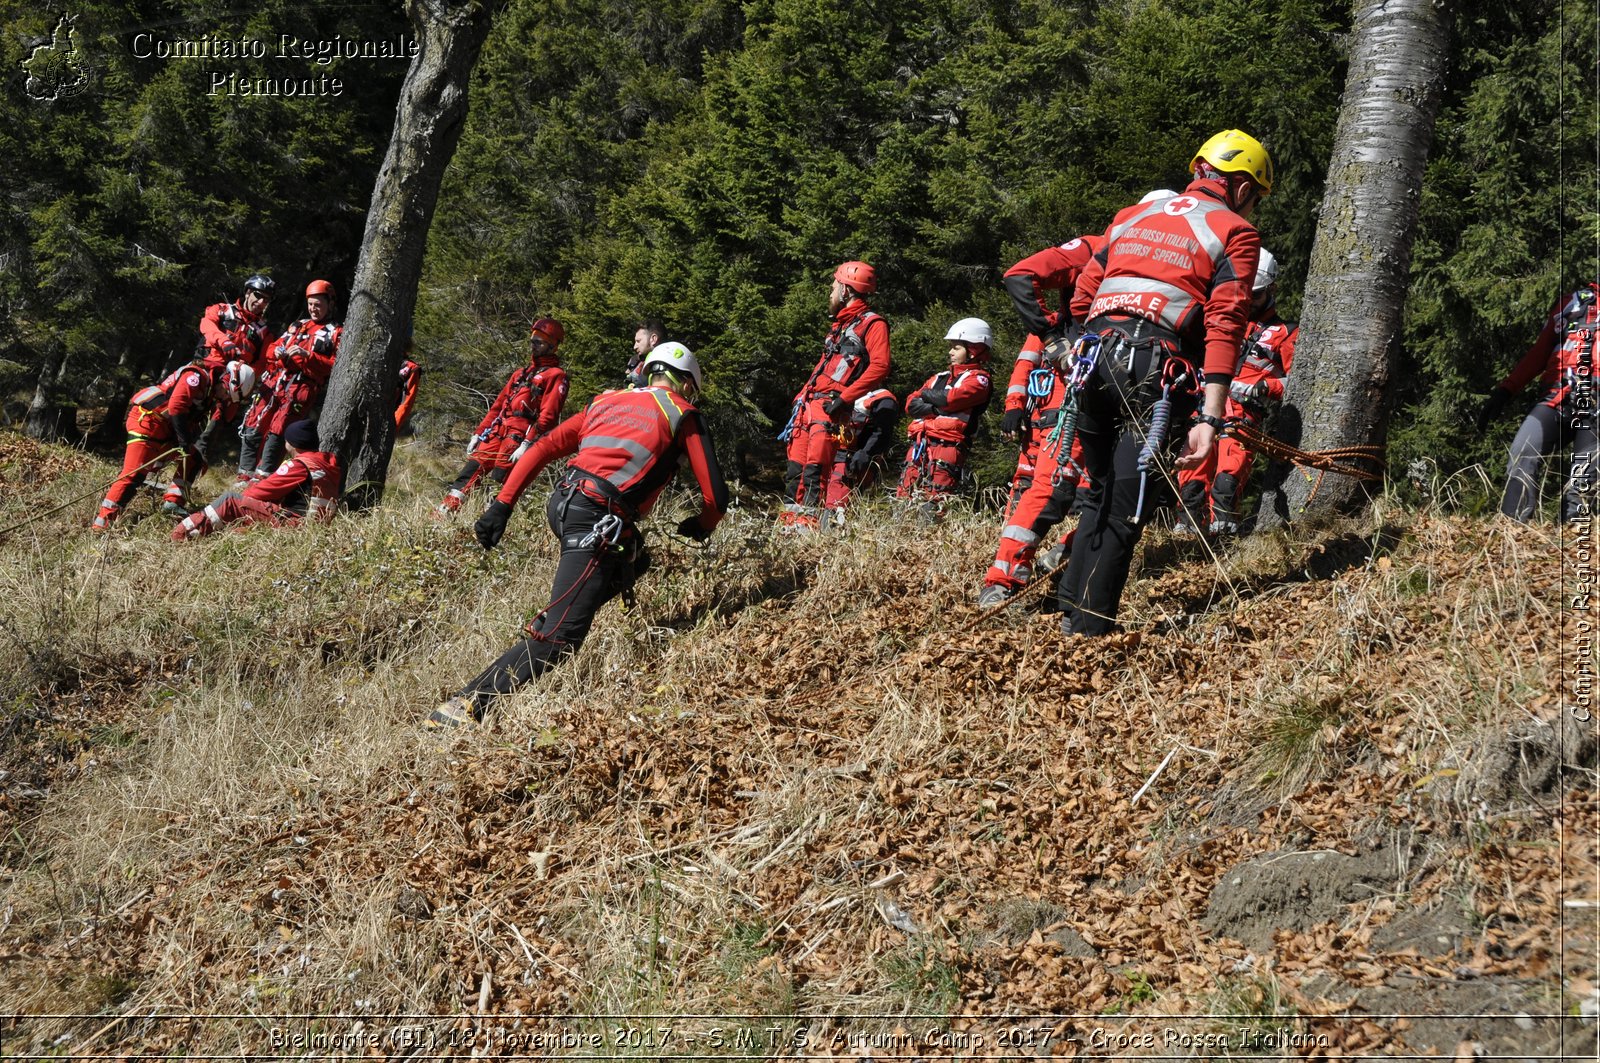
57 70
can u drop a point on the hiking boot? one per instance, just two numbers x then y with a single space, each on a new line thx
1224 527
994 594
1184 530
172 508
1051 559
449 715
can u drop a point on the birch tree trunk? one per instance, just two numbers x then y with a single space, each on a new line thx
1361 259
358 413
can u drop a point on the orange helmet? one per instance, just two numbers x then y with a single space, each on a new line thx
319 288
857 276
549 330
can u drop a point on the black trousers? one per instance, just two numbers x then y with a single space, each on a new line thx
1545 430
587 577
1115 409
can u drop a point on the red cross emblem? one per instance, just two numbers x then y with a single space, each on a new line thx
1180 205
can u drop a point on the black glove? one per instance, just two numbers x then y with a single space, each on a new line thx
1011 424
856 467
920 407
836 407
689 528
492 525
1499 399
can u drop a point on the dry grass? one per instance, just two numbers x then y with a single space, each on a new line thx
796 777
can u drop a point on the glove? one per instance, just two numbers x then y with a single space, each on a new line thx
472 444
836 407
522 449
689 528
1011 424
1243 393
492 525
1058 352
1499 399
920 407
856 466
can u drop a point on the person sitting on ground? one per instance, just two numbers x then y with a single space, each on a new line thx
306 483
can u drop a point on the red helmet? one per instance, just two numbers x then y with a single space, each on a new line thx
319 288
857 276
549 330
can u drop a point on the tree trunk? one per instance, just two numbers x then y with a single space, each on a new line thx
46 412
358 413
1361 260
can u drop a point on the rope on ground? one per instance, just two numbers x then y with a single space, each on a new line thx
150 466
1336 459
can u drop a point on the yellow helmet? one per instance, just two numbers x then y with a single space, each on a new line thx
1235 151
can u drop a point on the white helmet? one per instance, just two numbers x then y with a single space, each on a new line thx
1160 193
675 356
238 380
971 330
1266 271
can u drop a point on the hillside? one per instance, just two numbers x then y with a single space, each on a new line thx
800 800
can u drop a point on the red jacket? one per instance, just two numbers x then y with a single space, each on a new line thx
406 390
1266 357
958 396
1560 347
855 356
309 480
229 332
633 441
306 350
1185 263
529 404
175 409
1055 269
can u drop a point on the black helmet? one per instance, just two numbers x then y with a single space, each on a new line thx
260 282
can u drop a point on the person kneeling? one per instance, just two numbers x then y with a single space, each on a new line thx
307 481
628 445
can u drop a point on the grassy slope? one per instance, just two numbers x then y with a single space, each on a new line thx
795 778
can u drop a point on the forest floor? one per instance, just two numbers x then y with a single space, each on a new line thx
1326 795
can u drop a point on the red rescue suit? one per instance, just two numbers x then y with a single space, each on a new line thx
528 407
230 333
945 413
164 424
1211 492
406 392
855 361
306 483
868 435
627 446
1557 355
1171 288
299 363
1048 484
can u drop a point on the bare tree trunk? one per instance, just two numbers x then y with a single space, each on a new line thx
1361 260
46 411
358 413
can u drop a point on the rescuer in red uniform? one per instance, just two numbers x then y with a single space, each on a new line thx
299 363
405 391
1167 297
164 424
528 406
307 483
855 361
627 445
945 413
236 331
1211 491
